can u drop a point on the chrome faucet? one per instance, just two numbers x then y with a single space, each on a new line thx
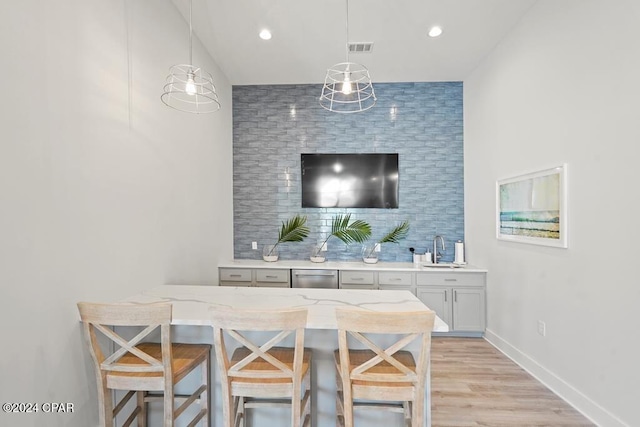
435 248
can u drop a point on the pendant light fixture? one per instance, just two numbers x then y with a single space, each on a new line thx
189 88
347 87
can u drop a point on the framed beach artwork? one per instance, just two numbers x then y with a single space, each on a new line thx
532 208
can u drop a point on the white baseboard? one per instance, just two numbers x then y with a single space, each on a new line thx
587 407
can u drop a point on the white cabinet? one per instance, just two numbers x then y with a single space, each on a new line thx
456 295
438 300
357 279
267 277
457 298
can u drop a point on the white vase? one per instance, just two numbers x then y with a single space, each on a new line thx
270 253
369 254
316 254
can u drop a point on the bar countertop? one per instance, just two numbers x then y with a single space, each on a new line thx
192 304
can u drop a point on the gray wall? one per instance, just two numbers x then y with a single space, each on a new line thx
272 125
104 191
556 91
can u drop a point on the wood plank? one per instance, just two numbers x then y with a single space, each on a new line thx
474 384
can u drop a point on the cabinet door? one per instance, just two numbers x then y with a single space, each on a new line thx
468 309
438 300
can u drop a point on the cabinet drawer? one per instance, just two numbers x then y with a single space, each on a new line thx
277 276
356 277
394 278
235 275
450 279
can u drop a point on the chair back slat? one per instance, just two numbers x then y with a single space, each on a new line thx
384 355
128 346
410 326
102 317
125 314
259 352
235 322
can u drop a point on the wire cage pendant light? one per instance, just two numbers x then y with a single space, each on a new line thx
347 86
189 88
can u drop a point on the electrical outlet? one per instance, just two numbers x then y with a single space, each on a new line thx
254 245
542 328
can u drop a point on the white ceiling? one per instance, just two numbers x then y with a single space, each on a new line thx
310 35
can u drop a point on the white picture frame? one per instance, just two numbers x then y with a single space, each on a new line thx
532 208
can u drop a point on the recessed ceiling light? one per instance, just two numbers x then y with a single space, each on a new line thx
265 34
435 31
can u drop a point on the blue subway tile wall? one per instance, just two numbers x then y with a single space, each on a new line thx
274 124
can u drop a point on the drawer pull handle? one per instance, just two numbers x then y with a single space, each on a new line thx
450 280
271 277
357 278
235 275
445 296
395 279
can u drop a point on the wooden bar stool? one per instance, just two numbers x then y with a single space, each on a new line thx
384 377
258 374
140 368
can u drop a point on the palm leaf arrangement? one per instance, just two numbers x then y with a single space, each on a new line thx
357 231
394 236
293 230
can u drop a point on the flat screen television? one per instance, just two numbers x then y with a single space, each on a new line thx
367 180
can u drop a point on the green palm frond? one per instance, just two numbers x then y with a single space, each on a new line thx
397 234
349 232
394 236
294 230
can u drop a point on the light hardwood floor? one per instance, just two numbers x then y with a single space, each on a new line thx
473 384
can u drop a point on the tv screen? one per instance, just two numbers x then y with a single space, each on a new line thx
350 180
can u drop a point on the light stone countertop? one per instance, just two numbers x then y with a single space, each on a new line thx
192 304
347 265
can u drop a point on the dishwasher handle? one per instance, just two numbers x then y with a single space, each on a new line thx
330 273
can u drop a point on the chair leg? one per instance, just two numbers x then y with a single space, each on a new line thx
417 408
242 413
169 403
228 407
105 404
339 401
346 401
142 415
308 392
206 395
295 404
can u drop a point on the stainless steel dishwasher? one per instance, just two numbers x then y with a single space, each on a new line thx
314 279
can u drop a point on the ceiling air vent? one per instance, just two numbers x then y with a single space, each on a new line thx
360 47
